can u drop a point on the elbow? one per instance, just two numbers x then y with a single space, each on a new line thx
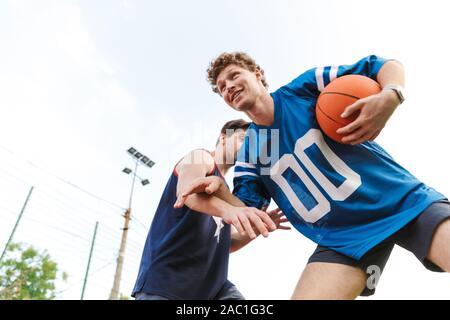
236 245
395 65
398 62
234 248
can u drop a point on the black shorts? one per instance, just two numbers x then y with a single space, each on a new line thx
415 237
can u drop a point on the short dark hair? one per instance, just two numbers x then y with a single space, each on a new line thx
233 125
240 59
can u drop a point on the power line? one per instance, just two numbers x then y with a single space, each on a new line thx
12 212
66 207
81 280
60 241
43 204
103 236
68 202
17 178
72 206
139 222
62 248
62 179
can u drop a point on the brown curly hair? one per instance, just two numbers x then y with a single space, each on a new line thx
240 59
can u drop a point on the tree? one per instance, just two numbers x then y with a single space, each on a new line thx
26 273
124 297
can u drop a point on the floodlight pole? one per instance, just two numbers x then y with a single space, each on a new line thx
114 295
117 277
132 185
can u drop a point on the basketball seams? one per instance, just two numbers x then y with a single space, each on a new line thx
346 91
326 115
340 93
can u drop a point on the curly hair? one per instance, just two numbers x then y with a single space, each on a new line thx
240 59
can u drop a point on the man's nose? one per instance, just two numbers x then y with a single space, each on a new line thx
230 88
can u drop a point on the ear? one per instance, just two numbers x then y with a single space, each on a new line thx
258 74
222 138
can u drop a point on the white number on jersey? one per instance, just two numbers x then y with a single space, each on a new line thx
351 183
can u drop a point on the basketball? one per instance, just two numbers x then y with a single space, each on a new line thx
336 96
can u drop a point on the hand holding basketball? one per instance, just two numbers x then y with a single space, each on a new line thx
375 111
353 109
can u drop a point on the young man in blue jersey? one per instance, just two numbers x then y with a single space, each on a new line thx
351 198
186 252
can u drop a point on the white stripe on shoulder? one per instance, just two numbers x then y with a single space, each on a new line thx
333 73
240 174
319 79
245 165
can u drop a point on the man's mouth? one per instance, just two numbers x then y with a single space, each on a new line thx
235 95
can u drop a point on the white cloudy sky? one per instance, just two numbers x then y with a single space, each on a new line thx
81 81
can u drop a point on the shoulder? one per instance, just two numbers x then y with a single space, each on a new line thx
304 84
198 158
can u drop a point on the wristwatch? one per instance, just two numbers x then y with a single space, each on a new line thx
398 91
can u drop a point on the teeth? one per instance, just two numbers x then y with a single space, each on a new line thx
236 94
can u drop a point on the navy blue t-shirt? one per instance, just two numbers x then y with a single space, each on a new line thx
186 252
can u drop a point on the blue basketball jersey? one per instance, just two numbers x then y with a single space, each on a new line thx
186 253
347 198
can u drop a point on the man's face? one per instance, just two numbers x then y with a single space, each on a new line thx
239 87
231 144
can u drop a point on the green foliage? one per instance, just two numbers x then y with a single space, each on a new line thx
123 297
27 274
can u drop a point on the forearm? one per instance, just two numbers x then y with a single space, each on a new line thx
239 241
225 194
207 204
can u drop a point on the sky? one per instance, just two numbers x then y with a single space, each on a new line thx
82 81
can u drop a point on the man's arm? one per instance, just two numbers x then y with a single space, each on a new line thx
392 72
239 241
375 110
216 186
243 219
211 185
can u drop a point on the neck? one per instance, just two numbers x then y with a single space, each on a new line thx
219 160
262 112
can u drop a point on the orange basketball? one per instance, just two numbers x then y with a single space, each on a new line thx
336 96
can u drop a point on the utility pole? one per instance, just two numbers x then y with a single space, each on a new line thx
139 158
115 289
17 223
89 260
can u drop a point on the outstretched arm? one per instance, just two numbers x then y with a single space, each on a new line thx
243 219
216 186
238 241
211 185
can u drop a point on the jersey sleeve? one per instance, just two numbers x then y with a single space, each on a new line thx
313 81
248 185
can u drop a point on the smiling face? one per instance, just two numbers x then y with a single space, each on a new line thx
239 87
